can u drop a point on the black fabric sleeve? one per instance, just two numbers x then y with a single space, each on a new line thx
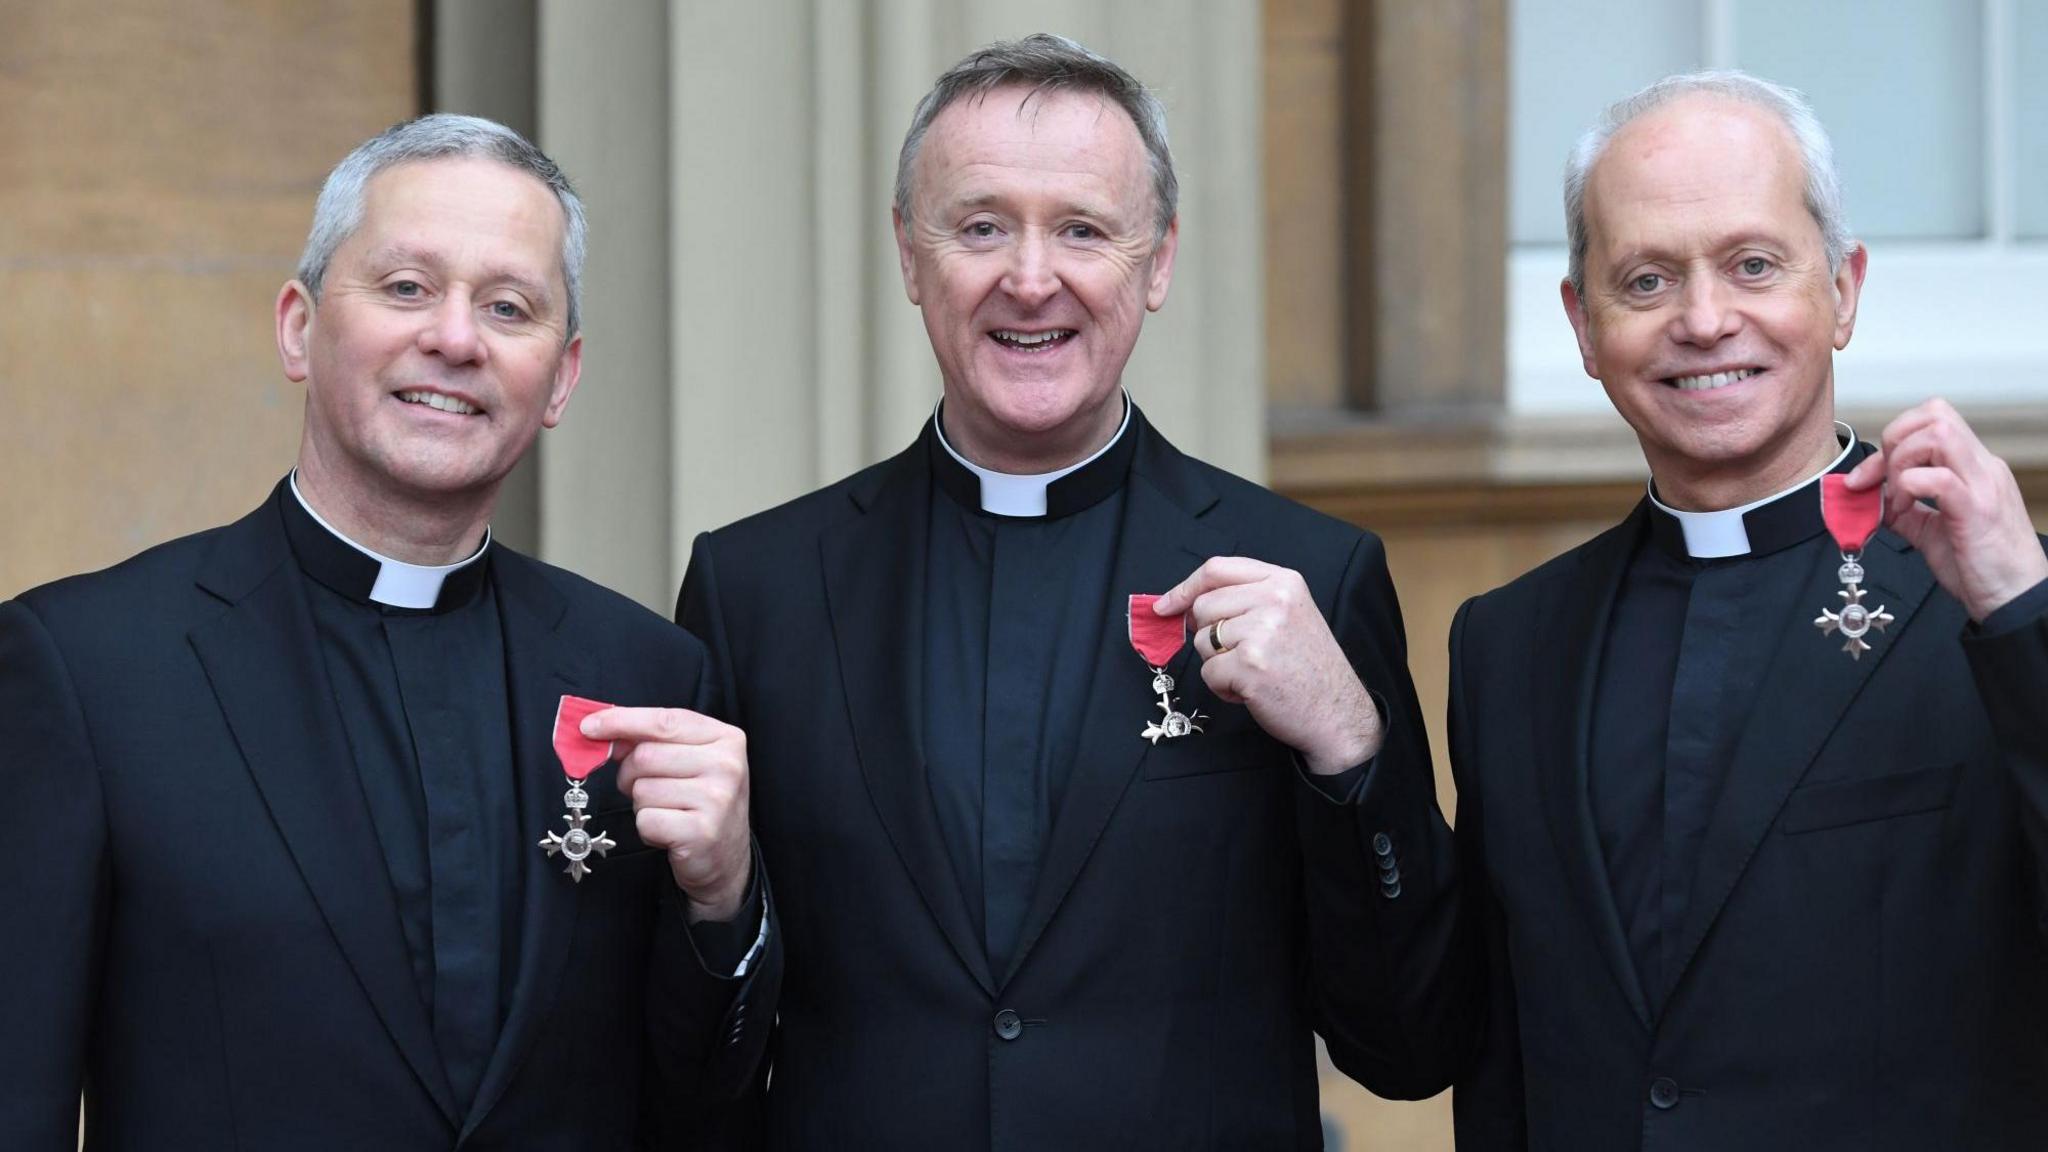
2017 612
1487 1102
1393 960
722 945
709 1026
53 900
2010 667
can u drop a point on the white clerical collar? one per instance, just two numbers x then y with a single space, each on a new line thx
1008 494
1715 535
399 584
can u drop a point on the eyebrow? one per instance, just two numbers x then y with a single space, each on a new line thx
396 254
1747 238
1070 208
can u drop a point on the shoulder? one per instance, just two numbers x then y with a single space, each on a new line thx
602 619
796 523
1258 522
1261 513
142 585
785 538
1563 575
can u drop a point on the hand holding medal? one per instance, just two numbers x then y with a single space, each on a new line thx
1958 505
687 777
1265 644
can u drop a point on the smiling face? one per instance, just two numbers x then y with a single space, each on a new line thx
1033 253
1709 313
437 350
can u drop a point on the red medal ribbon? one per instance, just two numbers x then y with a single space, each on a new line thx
1852 517
580 755
1157 638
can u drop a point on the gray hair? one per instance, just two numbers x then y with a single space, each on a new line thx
339 211
1047 63
1816 152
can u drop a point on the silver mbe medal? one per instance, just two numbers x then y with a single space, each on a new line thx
580 756
1852 519
1158 639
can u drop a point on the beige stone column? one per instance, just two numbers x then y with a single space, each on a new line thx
605 474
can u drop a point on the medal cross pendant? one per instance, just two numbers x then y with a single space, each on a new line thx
577 843
1854 621
1173 724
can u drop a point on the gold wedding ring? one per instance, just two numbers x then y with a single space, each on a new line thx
1216 644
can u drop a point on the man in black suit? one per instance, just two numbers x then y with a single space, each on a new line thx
1033 898
1741 869
281 784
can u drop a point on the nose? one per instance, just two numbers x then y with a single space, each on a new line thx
451 331
1031 278
1707 312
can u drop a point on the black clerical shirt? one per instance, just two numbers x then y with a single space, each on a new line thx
1016 611
1686 646
422 697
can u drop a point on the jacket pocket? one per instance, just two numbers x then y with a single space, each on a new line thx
1840 803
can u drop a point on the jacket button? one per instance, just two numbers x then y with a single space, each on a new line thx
1391 889
1664 1092
1009 1025
1382 844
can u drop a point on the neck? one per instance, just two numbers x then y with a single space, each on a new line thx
426 532
1036 455
1690 490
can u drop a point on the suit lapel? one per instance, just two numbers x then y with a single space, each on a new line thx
1575 637
874 566
1160 542
540 666
262 658
1810 684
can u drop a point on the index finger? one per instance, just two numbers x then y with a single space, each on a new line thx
1215 572
1913 419
652 726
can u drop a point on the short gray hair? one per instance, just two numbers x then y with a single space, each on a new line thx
339 211
1047 63
1816 152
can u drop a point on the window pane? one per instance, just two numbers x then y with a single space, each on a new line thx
1567 60
1901 94
2030 118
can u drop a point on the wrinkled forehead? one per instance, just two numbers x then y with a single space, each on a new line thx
464 203
1707 160
1023 126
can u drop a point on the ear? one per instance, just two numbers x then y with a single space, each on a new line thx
568 373
1582 326
294 323
1162 266
904 256
1848 292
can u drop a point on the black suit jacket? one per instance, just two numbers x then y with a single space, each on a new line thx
202 932
1161 996
1862 956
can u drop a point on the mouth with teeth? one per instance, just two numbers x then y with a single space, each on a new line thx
1708 381
438 402
1032 342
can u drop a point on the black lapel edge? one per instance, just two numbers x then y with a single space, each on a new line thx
874 571
265 648
1809 686
540 667
1161 541
1578 634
